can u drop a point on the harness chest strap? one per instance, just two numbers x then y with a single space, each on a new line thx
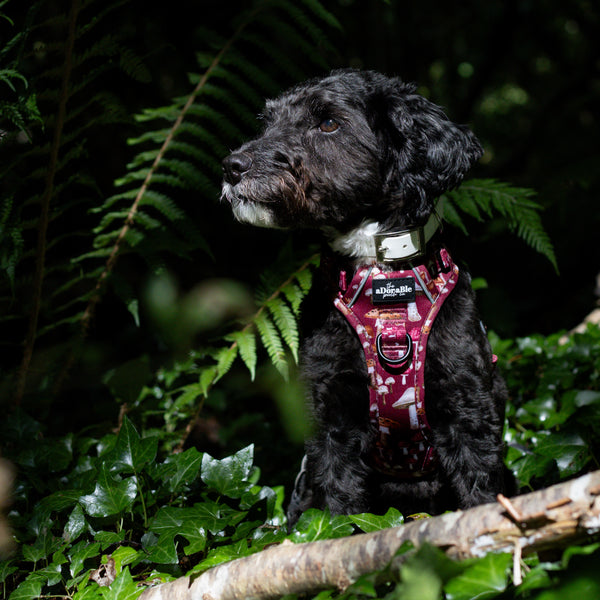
392 313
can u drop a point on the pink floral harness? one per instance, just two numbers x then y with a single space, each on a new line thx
392 314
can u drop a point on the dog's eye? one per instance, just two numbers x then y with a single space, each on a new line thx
328 125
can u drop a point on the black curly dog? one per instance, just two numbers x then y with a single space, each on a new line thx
354 154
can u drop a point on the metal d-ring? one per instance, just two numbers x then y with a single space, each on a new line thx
395 362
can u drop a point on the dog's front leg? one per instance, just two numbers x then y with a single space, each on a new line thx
335 374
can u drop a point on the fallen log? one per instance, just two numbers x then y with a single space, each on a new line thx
560 515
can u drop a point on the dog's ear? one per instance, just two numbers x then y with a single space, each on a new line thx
424 153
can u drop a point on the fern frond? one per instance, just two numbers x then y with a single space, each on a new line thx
294 295
307 25
246 342
286 323
272 342
225 358
513 203
324 15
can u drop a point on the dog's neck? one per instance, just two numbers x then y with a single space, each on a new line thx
371 242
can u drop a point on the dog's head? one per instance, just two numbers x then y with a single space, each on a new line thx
350 147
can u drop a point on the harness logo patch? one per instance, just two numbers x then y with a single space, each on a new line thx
390 291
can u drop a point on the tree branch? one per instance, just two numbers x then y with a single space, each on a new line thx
562 514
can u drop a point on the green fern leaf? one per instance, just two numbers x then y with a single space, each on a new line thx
163 204
188 396
304 278
261 80
319 11
235 84
246 342
225 358
207 378
294 295
286 323
272 342
451 215
514 204
311 50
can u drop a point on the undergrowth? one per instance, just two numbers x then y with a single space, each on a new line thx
118 507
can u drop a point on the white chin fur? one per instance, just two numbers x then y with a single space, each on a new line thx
357 243
255 214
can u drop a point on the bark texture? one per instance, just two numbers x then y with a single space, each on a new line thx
559 515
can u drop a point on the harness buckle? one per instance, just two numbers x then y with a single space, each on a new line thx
398 363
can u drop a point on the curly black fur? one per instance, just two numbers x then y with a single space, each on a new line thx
353 154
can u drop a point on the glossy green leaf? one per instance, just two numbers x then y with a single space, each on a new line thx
222 554
81 552
486 578
122 588
316 524
170 522
569 450
230 475
160 549
29 589
368 522
215 516
130 451
111 496
44 545
7 568
125 555
531 465
76 524
180 469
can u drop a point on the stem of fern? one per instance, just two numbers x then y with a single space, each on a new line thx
46 198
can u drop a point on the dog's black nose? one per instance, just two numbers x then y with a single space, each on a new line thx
235 165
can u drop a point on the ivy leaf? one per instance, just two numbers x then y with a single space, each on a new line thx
222 554
368 522
76 524
111 496
568 449
160 549
586 397
30 589
180 469
317 524
130 450
216 517
6 569
122 588
172 521
44 545
486 578
529 466
80 552
124 555
229 476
